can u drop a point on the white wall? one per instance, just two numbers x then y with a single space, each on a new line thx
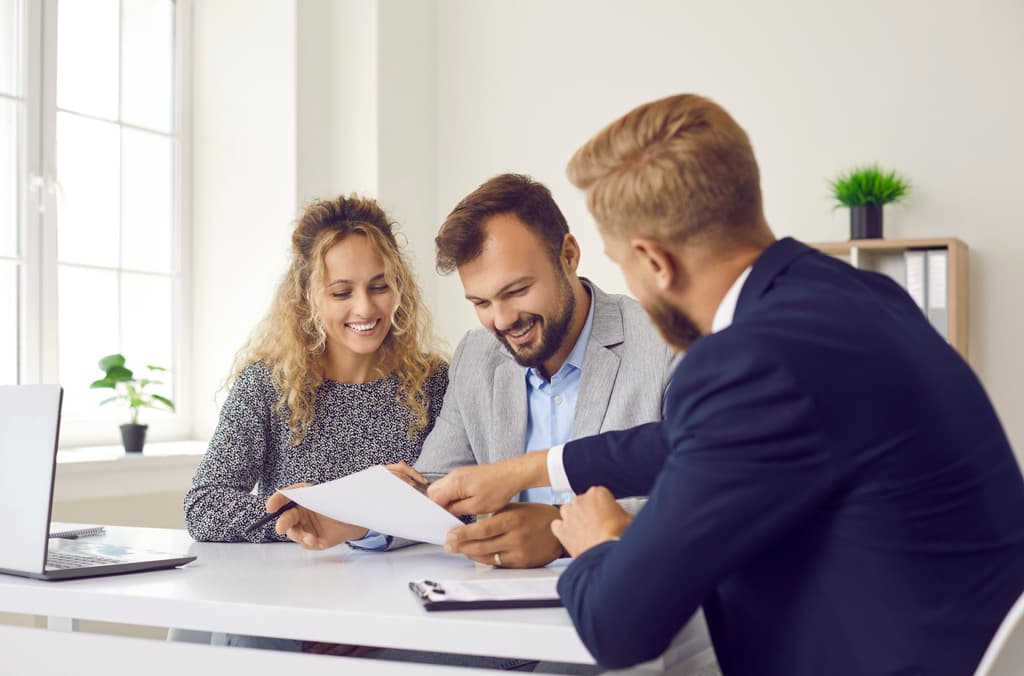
244 178
934 89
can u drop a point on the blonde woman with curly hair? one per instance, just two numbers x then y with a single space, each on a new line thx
341 374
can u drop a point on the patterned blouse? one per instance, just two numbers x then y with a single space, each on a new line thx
353 427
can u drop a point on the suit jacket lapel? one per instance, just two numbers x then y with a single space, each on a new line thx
600 365
510 411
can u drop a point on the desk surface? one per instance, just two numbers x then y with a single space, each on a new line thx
281 590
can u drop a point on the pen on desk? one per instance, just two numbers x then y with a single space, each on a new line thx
270 517
76 533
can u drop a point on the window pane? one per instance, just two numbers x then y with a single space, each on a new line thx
146 188
10 34
8 323
87 53
88 171
147 63
146 328
9 177
87 316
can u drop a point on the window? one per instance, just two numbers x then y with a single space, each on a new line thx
90 258
12 113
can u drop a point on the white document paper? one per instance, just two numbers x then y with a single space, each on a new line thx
376 499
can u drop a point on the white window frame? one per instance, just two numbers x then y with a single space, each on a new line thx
38 319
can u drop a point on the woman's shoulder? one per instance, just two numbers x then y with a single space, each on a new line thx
254 377
437 382
439 376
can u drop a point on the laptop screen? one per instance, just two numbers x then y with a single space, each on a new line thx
29 424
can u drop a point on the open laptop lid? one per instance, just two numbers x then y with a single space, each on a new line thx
29 424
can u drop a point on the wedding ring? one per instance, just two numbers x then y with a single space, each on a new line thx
497 559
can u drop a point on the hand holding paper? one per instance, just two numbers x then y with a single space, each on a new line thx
376 499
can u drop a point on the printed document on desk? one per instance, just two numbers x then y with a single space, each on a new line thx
376 499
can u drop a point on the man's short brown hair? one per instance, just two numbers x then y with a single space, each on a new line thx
675 168
461 238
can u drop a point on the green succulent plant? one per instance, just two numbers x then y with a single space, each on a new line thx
129 389
869 185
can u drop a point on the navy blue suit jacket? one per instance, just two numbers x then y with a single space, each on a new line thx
830 482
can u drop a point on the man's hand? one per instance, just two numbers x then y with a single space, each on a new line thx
308 528
520 534
591 519
488 488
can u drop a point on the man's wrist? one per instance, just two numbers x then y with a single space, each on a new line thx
534 470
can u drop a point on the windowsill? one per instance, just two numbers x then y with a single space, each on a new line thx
101 472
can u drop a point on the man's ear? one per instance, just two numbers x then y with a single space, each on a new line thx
657 261
570 254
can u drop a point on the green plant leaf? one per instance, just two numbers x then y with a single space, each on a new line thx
165 401
110 361
108 400
103 383
155 368
119 374
868 185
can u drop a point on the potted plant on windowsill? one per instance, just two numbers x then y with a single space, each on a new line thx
866 190
132 391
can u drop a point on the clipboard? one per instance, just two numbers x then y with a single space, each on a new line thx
528 592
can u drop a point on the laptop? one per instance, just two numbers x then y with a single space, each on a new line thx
29 428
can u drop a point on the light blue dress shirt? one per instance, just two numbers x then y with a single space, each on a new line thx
552 408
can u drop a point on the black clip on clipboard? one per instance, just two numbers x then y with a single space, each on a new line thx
487 594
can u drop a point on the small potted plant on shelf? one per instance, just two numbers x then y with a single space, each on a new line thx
132 391
865 190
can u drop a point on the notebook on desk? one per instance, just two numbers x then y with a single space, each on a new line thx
29 429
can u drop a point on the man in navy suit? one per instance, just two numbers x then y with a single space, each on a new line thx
830 480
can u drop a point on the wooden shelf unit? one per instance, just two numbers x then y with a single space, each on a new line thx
887 256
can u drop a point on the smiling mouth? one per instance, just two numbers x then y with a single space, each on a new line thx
363 329
518 336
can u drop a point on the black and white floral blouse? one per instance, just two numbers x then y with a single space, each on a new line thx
353 427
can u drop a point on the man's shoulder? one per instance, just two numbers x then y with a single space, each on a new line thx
479 349
638 332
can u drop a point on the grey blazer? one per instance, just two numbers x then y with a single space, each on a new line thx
626 368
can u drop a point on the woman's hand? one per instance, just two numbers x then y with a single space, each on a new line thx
403 471
308 528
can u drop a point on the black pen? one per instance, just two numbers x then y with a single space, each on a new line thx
270 517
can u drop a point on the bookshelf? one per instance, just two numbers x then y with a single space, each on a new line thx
889 257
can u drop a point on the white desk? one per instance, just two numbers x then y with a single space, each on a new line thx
281 590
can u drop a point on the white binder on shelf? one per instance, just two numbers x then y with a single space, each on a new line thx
916 285
936 294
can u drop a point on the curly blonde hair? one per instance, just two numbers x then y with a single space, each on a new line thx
291 339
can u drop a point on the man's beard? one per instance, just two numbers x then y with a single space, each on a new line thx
552 332
675 326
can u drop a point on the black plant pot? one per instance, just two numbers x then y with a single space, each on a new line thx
134 437
866 221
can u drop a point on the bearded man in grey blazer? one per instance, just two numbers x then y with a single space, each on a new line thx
557 359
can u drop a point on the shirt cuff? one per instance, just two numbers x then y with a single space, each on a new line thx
556 471
371 542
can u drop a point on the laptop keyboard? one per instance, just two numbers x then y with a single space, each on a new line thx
66 560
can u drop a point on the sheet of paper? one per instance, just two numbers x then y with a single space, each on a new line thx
376 499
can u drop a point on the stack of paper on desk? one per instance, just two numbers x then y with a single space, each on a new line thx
377 499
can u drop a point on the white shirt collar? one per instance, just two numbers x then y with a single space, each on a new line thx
727 308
